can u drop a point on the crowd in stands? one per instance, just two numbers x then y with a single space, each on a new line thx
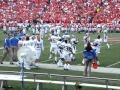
60 11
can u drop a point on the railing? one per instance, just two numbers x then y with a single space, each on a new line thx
66 80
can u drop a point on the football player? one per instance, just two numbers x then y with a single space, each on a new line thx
39 47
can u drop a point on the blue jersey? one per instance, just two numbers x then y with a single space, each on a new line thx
89 55
7 43
14 41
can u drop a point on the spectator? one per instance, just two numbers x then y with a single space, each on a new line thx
89 55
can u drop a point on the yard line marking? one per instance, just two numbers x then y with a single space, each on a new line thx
46 60
79 64
1 48
113 64
79 52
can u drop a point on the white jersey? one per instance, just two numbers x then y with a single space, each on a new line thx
67 52
73 41
24 29
39 45
86 39
26 43
33 29
105 36
68 47
32 42
4 28
54 39
37 29
20 43
42 28
66 37
98 41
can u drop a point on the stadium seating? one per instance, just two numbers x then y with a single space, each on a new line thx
60 11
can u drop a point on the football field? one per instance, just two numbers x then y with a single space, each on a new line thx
108 58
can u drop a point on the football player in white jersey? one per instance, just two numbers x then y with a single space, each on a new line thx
37 28
33 29
20 42
68 52
105 38
42 30
60 46
58 30
98 43
24 28
53 46
39 47
26 43
86 39
73 42
66 36
32 41
97 46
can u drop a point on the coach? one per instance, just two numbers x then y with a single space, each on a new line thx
14 47
7 50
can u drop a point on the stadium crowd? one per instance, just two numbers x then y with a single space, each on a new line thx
83 12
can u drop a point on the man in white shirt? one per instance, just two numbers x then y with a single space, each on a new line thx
39 47
53 48
105 37
68 52
98 43
86 39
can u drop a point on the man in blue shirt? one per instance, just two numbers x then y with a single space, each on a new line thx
14 47
7 50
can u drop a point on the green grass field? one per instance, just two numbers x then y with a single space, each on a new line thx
107 57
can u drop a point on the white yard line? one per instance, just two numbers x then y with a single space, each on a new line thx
114 40
113 64
46 60
1 48
79 64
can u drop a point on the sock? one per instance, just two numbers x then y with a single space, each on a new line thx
50 56
83 61
55 58
108 45
68 66
65 66
60 63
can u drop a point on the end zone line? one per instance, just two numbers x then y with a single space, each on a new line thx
113 64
